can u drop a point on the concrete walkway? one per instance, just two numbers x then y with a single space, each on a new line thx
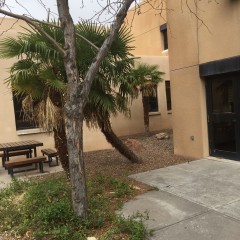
195 201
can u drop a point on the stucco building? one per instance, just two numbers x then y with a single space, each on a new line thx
204 54
204 61
14 129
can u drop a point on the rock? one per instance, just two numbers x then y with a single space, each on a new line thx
161 136
136 187
91 238
134 144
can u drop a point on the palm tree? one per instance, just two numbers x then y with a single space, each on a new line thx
145 79
43 64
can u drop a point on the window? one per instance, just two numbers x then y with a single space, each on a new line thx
21 124
163 30
153 103
168 95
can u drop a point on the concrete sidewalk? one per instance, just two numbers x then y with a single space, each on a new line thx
199 200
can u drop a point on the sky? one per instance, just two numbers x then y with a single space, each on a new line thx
84 9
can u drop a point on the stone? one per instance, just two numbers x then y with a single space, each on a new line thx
161 136
91 238
134 144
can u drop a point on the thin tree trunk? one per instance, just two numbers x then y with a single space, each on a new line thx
74 113
76 165
78 92
145 101
113 139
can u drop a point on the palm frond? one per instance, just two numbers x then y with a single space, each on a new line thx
146 77
48 115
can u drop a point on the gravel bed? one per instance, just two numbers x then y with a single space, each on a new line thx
155 154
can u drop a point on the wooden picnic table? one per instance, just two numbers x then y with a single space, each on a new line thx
21 145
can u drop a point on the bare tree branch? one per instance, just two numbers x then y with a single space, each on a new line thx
33 23
103 51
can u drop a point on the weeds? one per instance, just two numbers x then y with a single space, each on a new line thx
43 208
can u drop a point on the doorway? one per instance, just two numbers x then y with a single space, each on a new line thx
223 106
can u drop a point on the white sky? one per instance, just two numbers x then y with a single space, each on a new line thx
77 9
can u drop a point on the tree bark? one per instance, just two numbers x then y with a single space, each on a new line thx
145 101
78 92
73 114
113 139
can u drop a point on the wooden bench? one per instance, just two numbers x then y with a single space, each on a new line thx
27 153
50 154
10 165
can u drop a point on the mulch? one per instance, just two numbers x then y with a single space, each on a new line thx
155 154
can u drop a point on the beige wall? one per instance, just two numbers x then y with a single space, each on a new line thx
189 113
214 35
220 37
157 121
182 36
145 28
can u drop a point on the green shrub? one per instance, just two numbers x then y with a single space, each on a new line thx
44 208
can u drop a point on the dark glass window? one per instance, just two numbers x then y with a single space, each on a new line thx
153 103
21 124
163 30
168 95
222 92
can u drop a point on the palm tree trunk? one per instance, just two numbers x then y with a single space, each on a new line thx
113 139
61 146
60 138
145 101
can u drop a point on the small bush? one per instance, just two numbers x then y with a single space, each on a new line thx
132 226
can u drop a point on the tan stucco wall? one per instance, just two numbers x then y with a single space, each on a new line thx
145 26
220 37
189 113
214 35
182 36
159 120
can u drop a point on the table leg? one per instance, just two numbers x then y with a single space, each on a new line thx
41 166
5 158
35 151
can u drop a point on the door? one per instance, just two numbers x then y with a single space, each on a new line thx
223 97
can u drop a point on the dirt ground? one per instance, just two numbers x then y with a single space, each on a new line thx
155 154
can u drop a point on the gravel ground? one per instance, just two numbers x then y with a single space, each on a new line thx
155 154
